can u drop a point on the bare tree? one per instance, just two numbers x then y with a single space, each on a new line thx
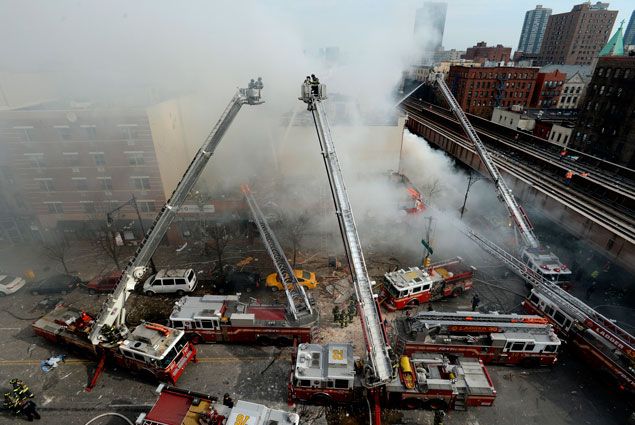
294 231
431 189
219 236
107 241
57 249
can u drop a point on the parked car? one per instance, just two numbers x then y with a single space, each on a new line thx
241 282
10 284
104 283
178 282
306 279
58 284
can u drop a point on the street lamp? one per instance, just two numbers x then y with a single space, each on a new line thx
131 201
471 180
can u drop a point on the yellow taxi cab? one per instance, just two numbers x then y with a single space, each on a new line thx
306 279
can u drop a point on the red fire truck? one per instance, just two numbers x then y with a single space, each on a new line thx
176 406
417 285
329 374
508 339
223 318
153 350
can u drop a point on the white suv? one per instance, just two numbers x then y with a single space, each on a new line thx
177 282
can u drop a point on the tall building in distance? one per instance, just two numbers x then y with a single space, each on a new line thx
429 27
576 37
533 29
629 35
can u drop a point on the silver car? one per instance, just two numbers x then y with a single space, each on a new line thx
10 284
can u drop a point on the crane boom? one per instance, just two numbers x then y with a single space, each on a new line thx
504 191
374 333
113 310
299 303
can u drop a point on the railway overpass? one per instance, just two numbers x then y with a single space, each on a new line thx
598 208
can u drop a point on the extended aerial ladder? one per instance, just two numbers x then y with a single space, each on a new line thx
297 298
476 322
113 312
380 369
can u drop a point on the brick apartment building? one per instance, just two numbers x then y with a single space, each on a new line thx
606 123
548 89
69 164
577 36
482 53
480 90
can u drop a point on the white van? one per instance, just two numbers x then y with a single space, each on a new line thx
178 282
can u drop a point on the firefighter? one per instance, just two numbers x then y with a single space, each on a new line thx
475 302
252 84
227 401
259 84
438 417
29 409
590 290
20 389
352 308
336 314
567 177
315 85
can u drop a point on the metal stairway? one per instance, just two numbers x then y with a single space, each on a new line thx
376 340
113 311
298 301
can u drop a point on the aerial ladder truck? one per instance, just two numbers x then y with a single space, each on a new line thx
297 298
597 338
107 336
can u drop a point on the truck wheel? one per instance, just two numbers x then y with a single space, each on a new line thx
263 341
413 303
180 292
283 342
91 292
411 404
436 404
321 399
457 292
530 362
149 293
196 339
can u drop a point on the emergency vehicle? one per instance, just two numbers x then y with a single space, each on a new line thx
418 285
223 318
508 339
329 374
176 406
152 350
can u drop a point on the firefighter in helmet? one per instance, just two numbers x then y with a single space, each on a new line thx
20 389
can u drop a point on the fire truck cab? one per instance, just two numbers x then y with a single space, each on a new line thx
547 265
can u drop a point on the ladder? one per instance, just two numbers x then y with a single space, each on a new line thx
504 191
297 299
113 311
477 323
575 308
374 332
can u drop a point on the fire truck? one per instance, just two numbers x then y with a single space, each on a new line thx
224 319
329 374
156 350
507 339
375 372
599 340
176 406
417 285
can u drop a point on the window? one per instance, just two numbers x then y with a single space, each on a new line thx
550 348
341 383
37 159
55 207
147 206
89 206
91 131
106 183
135 158
26 132
128 132
141 183
71 158
304 383
530 346
81 183
99 157
46 185
518 346
179 281
64 132
559 317
177 324
168 281
207 324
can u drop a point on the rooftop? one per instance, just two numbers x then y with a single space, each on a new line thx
412 276
334 361
146 339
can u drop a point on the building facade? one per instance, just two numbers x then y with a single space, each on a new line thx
533 29
606 123
547 89
447 55
572 92
629 35
480 90
71 163
429 28
481 52
576 37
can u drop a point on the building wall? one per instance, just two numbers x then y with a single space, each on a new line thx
606 122
482 53
560 134
73 164
479 90
576 37
572 92
533 29
547 90
629 34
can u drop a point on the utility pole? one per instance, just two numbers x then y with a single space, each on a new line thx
131 201
470 181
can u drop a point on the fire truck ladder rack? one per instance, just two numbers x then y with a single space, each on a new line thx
511 322
572 306
113 310
299 303
504 191
374 332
